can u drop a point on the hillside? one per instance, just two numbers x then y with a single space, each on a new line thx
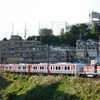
26 87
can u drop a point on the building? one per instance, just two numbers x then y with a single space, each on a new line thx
87 48
18 50
92 48
22 51
94 17
80 48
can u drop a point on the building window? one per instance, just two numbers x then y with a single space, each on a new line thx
12 53
3 54
3 49
3 44
12 43
27 48
33 44
21 49
93 47
33 54
78 42
12 48
8 43
20 44
42 49
33 49
89 47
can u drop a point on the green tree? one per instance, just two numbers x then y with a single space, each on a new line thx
51 40
45 31
5 39
75 31
31 37
96 30
70 39
83 27
62 36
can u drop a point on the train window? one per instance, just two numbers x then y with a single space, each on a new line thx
6 67
9 67
51 67
56 67
42 67
65 67
68 67
24 67
34 67
59 67
19 67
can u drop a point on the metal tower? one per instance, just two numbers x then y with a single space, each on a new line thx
25 31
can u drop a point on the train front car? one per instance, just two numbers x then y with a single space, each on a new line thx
91 71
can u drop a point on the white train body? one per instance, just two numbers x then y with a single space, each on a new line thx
44 68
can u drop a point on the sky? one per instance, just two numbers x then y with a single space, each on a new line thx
41 14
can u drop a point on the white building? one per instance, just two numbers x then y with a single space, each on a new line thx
80 48
92 47
89 48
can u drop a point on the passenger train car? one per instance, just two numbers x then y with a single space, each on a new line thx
44 68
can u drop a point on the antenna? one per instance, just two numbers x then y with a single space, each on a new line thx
80 34
52 26
65 26
40 34
25 31
12 29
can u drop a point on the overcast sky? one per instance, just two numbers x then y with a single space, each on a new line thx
45 11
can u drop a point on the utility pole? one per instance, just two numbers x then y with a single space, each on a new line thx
1 54
12 28
25 31
40 34
48 58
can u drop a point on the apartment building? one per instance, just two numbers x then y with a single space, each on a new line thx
17 50
22 51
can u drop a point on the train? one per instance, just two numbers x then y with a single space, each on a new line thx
65 68
92 69
43 68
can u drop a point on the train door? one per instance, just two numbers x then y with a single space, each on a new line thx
29 68
2 68
95 69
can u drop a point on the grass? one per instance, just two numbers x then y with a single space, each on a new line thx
26 87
